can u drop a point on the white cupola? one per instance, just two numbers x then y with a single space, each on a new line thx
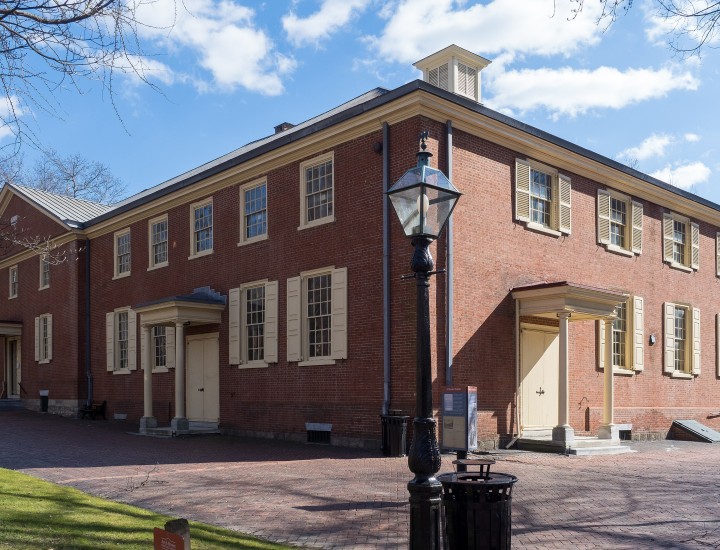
454 69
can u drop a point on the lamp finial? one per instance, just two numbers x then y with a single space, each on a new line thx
423 154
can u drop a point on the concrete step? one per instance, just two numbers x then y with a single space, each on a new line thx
604 450
11 405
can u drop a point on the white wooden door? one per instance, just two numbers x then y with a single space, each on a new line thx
539 357
203 378
13 367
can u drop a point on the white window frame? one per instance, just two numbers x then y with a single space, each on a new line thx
44 271
238 325
634 342
322 159
243 189
13 282
560 198
297 318
112 344
116 238
151 246
43 338
691 246
692 352
194 253
633 222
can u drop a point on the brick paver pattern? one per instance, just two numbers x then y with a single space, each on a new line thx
666 494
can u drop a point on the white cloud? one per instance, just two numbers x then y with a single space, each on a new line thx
332 15
692 138
10 112
568 91
653 146
679 26
684 175
223 37
417 28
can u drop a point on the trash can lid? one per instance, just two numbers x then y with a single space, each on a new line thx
492 478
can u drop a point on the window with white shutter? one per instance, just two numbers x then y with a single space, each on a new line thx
628 354
681 337
43 338
619 223
543 198
317 317
253 324
121 341
681 242
162 341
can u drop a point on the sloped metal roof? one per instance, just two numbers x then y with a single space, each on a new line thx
73 212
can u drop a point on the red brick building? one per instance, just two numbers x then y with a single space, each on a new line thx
261 293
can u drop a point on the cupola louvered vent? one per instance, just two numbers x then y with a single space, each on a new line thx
455 70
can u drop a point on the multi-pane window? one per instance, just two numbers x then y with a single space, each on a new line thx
679 241
159 340
159 242
540 198
680 338
13 283
255 211
202 219
319 315
122 253
44 338
318 191
255 323
619 337
618 222
44 272
122 340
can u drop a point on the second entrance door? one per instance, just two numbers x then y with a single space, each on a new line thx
203 378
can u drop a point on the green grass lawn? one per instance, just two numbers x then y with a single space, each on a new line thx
38 515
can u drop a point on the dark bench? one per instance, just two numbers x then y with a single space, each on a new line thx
94 410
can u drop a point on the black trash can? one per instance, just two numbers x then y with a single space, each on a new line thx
478 510
394 434
44 400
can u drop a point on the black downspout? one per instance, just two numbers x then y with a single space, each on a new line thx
386 270
88 370
449 286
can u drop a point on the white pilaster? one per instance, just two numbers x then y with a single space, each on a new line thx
180 422
563 432
148 420
608 430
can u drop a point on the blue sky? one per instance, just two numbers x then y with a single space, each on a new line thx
230 70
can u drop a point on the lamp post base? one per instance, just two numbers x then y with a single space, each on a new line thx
425 524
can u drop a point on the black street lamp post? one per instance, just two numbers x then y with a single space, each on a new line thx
423 199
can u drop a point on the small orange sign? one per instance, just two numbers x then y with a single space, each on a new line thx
165 540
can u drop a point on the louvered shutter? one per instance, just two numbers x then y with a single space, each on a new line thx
696 356
638 333
170 347
564 204
132 339
462 82
294 344
443 80
271 322
110 341
522 190
338 336
695 231
433 76
668 237
49 338
37 338
717 254
603 205
601 343
669 336
234 326
637 227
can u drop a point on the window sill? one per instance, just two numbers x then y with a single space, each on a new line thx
533 226
623 372
315 223
253 240
12 297
318 362
121 371
200 254
254 365
681 267
121 276
618 250
683 375
43 287
43 361
158 266
159 370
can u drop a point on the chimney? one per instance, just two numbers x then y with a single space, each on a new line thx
283 126
454 69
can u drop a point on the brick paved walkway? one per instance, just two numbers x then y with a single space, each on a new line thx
665 495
